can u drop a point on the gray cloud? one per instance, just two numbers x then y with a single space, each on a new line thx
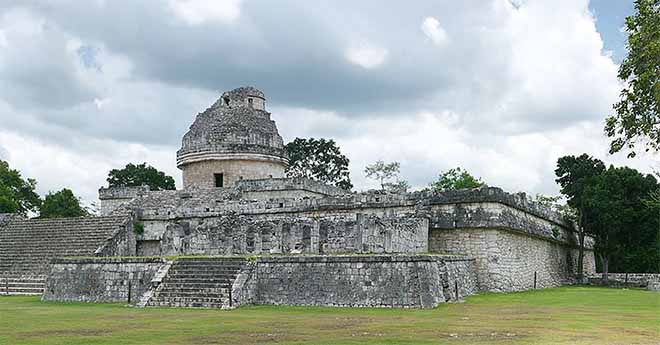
489 89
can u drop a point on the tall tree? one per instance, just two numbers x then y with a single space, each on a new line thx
624 227
140 175
387 174
62 204
456 178
17 195
575 175
318 159
555 203
637 114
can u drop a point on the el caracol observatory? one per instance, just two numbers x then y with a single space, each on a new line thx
232 140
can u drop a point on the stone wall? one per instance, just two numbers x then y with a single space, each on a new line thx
232 234
5 218
201 174
100 279
492 215
123 242
479 208
509 261
114 198
627 279
407 281
283 188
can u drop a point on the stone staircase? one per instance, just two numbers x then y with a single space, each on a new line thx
22 285
198 283
27 246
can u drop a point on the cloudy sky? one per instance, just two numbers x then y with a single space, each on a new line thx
500 87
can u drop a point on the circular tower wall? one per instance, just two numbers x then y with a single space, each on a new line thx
234 139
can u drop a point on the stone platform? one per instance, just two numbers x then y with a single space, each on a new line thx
401 281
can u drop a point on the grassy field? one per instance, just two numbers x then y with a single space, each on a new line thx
568 315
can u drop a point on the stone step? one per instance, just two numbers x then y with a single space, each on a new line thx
192 294
35 290
211 271
197 284
21 285
191 299
14 246
11 278
209 267
210 262
17 293
186 305
42 235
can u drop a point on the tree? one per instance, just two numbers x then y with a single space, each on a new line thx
62 204
17 195
140 175
454 179
574 175
318 159
384 173
637 114
555 203
624 227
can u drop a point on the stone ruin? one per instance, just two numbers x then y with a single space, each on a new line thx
241 233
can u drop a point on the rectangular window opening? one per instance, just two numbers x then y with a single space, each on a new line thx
219 180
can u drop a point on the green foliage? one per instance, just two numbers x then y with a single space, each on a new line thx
624 226
556 232
17 195
140 175
384 173
456 178
320 160
555 203
614 206
62 204
575 175
637 114
138 228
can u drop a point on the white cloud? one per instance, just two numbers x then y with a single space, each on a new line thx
432 29
366 55
3 40
520 86
100 103
56 167
196 12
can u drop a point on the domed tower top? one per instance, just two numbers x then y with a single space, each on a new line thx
234 139
244 96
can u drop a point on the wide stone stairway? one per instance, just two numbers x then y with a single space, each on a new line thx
27 246
198 283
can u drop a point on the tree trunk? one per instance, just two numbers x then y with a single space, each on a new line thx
580 264
605 260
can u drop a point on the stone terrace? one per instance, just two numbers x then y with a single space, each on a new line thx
27 246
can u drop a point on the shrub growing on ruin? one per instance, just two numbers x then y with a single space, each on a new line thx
456 178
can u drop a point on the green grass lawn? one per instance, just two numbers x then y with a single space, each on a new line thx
568 315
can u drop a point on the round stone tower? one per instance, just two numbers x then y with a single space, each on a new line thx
232 140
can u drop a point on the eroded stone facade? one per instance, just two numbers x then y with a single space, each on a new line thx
234 139
512 261
104 279
277 240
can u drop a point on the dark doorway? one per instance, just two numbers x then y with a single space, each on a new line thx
219 180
